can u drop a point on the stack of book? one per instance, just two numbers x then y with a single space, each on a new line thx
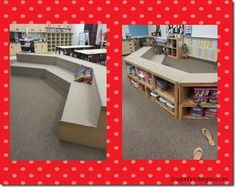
145 76
197 112
211 112
205 95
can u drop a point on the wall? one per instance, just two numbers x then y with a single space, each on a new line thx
76 29
125 29
152 28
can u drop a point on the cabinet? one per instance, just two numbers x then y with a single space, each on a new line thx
12 27
40 47
131 45
128 47
36 27
42 28
15 48
17 28
55 34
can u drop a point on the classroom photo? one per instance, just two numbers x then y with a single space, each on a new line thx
58 91
170 92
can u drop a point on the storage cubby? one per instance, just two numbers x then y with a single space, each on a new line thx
131 70
165 88
174 47
58 37
137 85
198 101
145 77
202 96
197 113
162 101
161 91
178 92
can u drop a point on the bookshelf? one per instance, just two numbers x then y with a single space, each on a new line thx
58 35
58 39
174 47
161 91
172 89
204 103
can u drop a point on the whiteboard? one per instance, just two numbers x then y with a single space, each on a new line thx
204 31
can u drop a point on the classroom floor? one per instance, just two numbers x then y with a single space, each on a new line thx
36 107
149 132
191 65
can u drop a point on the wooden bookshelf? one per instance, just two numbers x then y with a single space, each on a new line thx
148 86
174 47
186 101
180 91
184 113
58 39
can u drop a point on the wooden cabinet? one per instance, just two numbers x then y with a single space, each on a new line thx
40 47
42 28
12 27
15 48
36 27
128 47
131 45
29 28
32 28
68 26
17 28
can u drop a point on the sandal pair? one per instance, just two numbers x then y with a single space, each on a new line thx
197 153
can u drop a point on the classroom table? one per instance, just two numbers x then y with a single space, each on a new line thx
92 54
69 50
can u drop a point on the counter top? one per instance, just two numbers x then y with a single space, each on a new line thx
140 57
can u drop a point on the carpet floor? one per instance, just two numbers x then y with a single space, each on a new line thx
36 108
150 132
191 65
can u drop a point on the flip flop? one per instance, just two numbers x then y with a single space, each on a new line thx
197 153
208 135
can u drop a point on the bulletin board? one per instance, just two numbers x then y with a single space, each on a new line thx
204 31
201 31
204 48
138 30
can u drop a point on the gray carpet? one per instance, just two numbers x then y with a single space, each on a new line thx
149 132
36 108
191 65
